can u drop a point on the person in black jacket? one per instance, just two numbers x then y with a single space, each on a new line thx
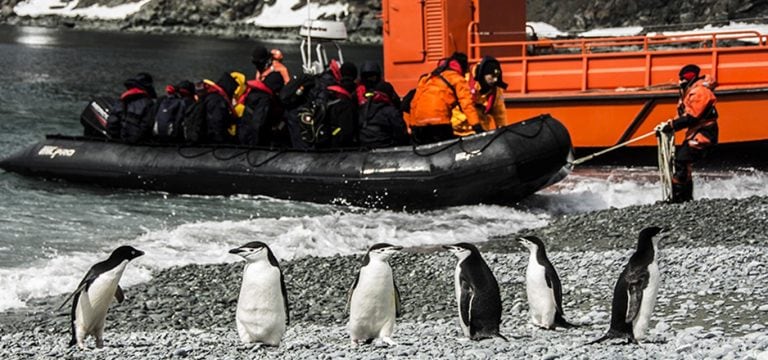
219 114
370 78
262 118
381 122
132 117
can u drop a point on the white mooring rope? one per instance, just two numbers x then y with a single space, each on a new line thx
666 146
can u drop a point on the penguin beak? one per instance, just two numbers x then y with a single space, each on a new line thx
397 248
139 253
236 251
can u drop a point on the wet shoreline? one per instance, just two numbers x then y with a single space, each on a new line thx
711 302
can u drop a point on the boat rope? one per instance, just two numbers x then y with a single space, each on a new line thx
617 146
666 145
460 143
180 150
226 158
268 159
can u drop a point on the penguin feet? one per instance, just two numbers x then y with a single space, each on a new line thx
389 341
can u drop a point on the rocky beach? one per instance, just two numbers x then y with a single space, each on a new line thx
711 303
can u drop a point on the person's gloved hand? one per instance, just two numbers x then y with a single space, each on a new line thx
665 127
478 129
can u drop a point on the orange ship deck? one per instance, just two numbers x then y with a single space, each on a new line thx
605 90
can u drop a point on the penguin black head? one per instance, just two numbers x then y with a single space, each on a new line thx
648 236
126 252
380 251
253 251
531 242
462 250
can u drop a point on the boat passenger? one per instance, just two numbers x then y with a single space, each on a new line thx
295 97
696 112
487 88
436 95
381 122
262 59
131 118
370 78
276 65
217 109
330 118
171 109
261 123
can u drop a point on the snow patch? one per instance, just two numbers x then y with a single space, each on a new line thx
35 8
280 14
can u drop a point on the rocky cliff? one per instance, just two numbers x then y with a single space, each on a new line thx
225 17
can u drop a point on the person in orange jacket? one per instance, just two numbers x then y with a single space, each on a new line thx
696 112
436 96
487 88
276 65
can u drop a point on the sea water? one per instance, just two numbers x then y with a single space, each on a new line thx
52 232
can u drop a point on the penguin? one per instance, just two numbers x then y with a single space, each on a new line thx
542 285
94 294
374 300
262 309
634 294
477 294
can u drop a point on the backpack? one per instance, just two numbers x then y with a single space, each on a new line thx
194 123
312 122
168 118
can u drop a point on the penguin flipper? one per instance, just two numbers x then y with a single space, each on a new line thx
285 299
466 302
351 290
119 294
398 307
636 282
72 295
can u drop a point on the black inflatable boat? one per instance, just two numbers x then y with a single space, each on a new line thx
493 167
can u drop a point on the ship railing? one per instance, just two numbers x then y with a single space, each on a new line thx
734 58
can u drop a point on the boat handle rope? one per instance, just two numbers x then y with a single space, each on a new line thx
226 158
268 159
180 150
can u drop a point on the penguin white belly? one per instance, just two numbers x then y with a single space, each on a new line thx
92 305
260 315
457 283
640 324
372 308
541 298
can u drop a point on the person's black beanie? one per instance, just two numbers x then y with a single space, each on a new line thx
227 83
142 81
463 61
260 57
274 81
348 71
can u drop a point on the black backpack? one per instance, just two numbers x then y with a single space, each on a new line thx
194 123
312 122
168 118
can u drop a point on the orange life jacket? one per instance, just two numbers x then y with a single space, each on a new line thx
436 96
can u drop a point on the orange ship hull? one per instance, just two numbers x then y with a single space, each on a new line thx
605 90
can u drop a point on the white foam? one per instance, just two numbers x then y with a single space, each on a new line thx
293 237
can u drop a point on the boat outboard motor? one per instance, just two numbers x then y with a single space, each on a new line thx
94 117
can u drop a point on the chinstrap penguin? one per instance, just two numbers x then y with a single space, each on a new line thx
262 308
374 300
634 295
94 294
542 285
477 294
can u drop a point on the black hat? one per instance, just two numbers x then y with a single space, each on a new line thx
348 70
274 82
461 58
689 72
260 57
227 83
489 66
142 81
370 68
186 87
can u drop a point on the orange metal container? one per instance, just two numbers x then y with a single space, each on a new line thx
605 90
